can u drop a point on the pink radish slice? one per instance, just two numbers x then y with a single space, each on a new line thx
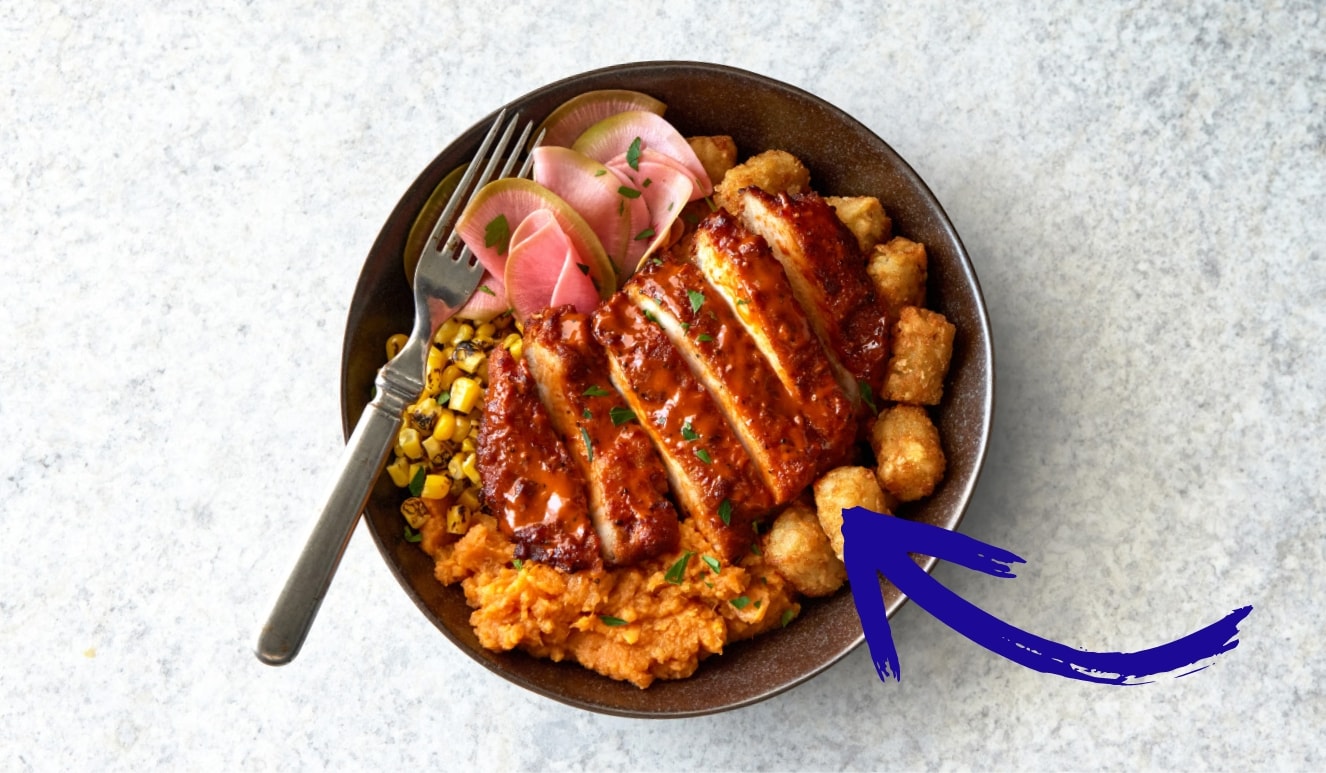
666 193
648 161
540 254
488 300
574 287
580 112
489 222
613 136
591 191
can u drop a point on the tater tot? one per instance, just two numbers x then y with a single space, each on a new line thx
844 487
897 268
909 458
717 155
773 171
797 548
864 217
922 348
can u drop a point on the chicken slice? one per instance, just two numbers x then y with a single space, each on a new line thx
626 482
745 274
530 483
725 358
711 475
829 279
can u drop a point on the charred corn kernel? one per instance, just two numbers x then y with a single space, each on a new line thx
464 426
510 341
436 358
465 393
395 343
468 358
399 470
450 375
445 428
454 468
469 445
408 442
446 331
518 348
463 333
423 415
471 468
415 512
520 326
458 519
469 498
433 383
435 487
485 332
435 451
482 372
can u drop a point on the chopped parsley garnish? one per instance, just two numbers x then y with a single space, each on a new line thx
757 603
677 572
444 397
649 315
487 289
656 261
497 234
740 602
712 563
417 482
596 391
688 432
517 563
600 172
648 182
645 234
867 396
697 300
703 455
725 511
628 192
742 301
587 414
612 621
411 535
755 548
633 154
787 617
710 201
589 447
620 415
704 338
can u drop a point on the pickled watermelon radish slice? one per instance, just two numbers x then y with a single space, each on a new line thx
615 135
537 268
490 219
589 189
578 113
665 191
488 300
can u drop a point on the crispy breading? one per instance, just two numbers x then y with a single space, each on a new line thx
798 549
844 487
773 171
909 457
864 216
898 269
717 154
922 348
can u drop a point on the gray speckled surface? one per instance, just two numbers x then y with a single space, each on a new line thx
188 195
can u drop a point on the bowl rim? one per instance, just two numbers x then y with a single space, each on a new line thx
469 138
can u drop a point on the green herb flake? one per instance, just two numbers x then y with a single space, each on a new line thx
677 572
633 154
444 397
688 432
620 416
628 192
787 617
417 482
589 447
686 326
725 511
704 338
712 563
867 396
740 602
697 300
517 563
596 391
656 261
587 414
487 289
755 548
649 315
757 603
411 535
648 182
600 172
645 234
497 234
742 301
612 621
703 456
710 201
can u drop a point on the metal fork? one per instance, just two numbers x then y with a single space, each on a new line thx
443 281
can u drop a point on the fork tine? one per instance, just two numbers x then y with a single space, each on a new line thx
461 194
489 168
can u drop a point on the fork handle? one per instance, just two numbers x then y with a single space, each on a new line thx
361 463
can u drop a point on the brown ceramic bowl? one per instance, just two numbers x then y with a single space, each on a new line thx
844 158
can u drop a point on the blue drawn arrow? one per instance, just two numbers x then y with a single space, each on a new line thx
873 543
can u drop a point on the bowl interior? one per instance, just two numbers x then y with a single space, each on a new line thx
844 158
